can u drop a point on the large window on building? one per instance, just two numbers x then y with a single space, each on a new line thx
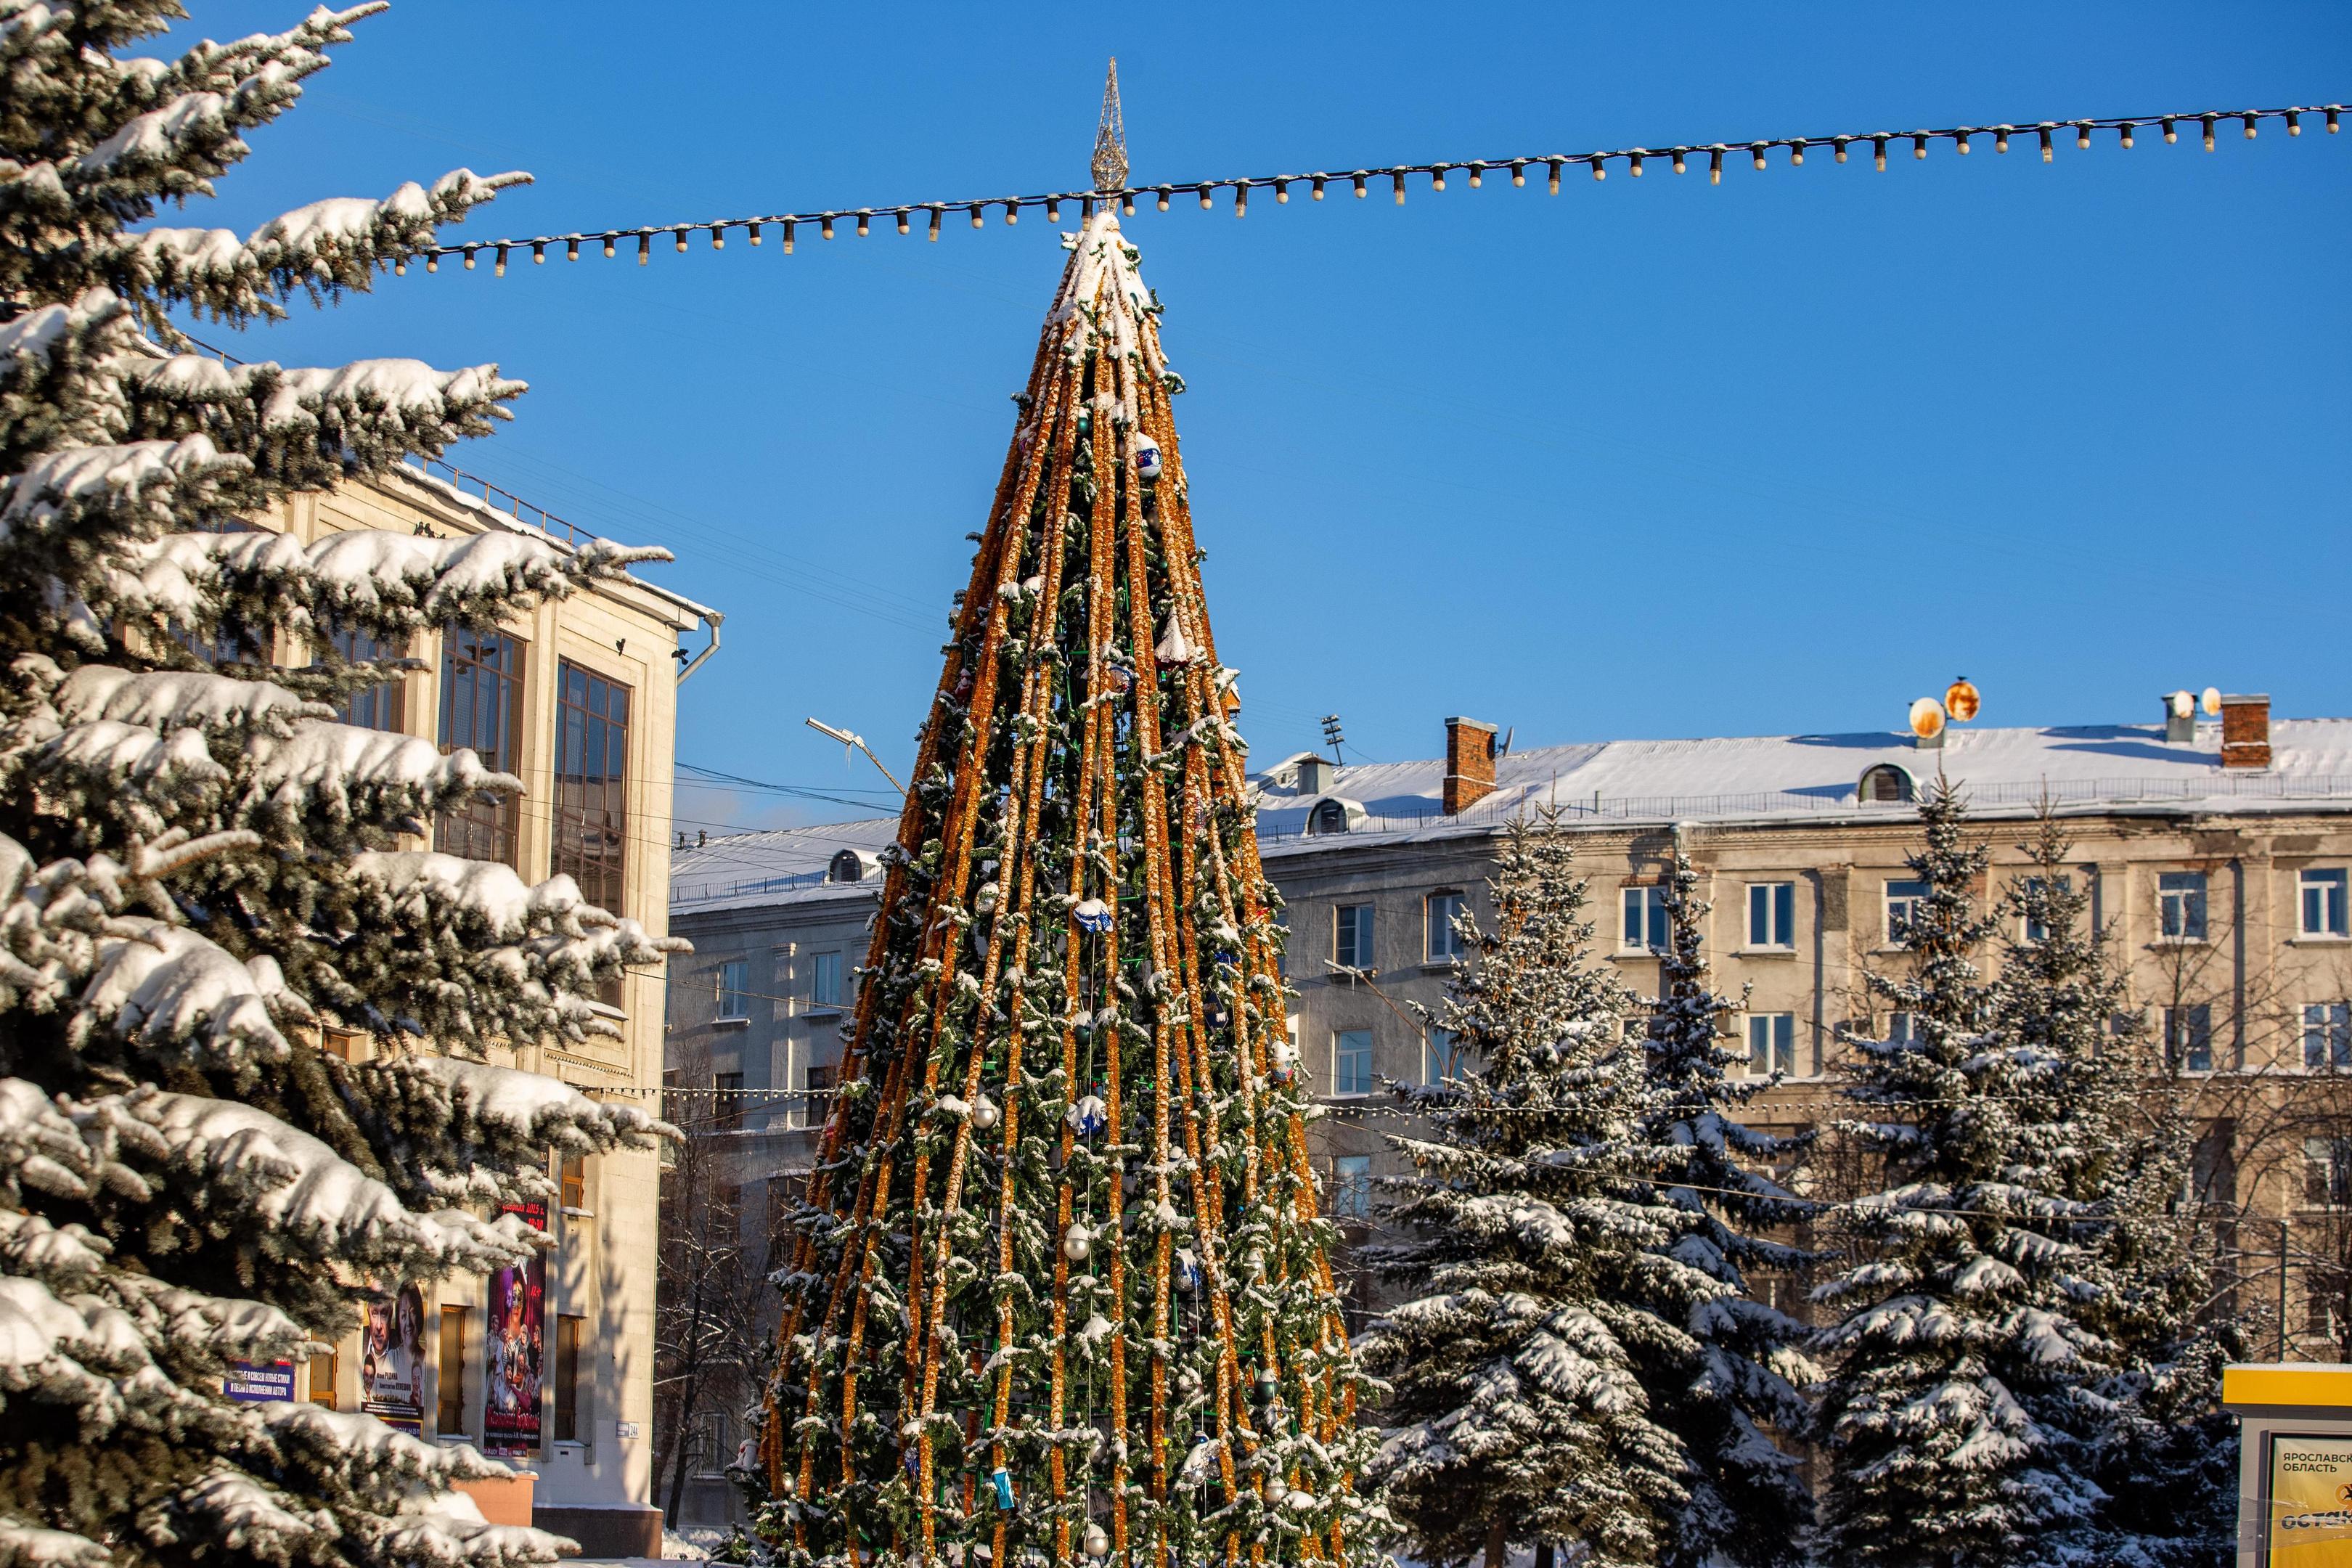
825 980
1352 936
481 707
1351 1186
2327 1036
2035 931
378 706
1771 914
2180 905
2327 1173
2322 901
1905 898
1772 1043
1351 1061
591 783
1645 925
734 998
1444 941
2188 1037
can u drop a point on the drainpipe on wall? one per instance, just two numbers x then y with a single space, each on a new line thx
711 619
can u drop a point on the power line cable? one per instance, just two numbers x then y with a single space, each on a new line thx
1633 160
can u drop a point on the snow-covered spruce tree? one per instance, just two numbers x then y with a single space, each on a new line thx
1515 1415
1954 1406
1059 1286
1747 1502
198 868
2153 1434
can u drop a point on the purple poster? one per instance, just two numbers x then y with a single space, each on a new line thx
515 1348
392 1360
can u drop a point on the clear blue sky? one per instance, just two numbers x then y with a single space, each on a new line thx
1648 458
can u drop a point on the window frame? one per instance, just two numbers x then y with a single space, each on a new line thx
1890 899
1351 1195
1778 1037
486 821
382 707
2029 931
2194 891
1649 898
2187 1033
1356 924
726 1101
819 1002
725 989
2335 890
571 1404
2329 1025
1779 911
589 814
1341 1052
1441 943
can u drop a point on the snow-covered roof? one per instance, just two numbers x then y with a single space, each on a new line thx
1754 780
744 870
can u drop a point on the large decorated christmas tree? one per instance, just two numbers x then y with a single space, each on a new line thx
1059 1286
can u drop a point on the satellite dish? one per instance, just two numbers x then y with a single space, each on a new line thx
1961 702
2213 701
2182 704
1926 718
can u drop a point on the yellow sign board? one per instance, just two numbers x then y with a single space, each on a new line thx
2310 1494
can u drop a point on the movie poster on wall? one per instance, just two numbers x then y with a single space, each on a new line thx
515 1347
392 1360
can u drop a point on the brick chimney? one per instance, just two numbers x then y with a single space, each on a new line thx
1470 763
2245 731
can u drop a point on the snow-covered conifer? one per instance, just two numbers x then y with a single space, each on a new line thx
1517 1415
1955 1405
199 868
2147 1416
1748 1500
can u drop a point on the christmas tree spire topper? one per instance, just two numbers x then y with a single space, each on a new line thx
1110 137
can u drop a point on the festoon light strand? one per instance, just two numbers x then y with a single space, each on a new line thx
1633 161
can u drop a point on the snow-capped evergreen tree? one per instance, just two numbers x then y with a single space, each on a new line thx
199 868
2152 1432
1517 1415
1747 1502
1955 1406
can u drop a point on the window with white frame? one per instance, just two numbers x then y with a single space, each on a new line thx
1902 1028
2327 1173
1772 1043
1644 929
1352 936
825 980
1771 914
1351 1186
1444 941
2327 1036
2180 905
1351 1061
1905 898
2036 931
2188 1037
735 988
2322 901
1440 1054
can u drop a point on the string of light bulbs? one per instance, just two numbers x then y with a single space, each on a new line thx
1633 161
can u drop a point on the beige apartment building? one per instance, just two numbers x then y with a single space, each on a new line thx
2217 871
579 699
